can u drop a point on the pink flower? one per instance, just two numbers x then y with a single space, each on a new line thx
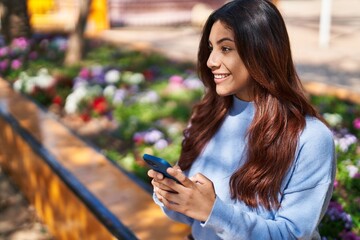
85 73
4 51
20 42
356 123
176 80
16 64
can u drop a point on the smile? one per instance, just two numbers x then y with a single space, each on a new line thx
220 76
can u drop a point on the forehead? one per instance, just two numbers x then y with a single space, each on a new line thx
219 31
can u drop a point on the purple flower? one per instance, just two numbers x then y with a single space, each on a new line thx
139 137
33 55
153 136
356 123
344 140
119 96
150 137
193 83
44 43
97 71
59 43
4 64
79 82
349 236
161 144
336 213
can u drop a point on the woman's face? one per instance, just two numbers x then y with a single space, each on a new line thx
229 71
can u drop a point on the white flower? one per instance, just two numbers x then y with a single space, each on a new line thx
333 119
352 170
43 79
109 91
74 98
17 85
112 76
29 85
132 78
137 78
24 83
71 104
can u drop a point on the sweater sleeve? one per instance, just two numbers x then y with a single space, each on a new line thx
305 198
172 214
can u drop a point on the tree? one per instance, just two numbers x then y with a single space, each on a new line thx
75 48
14 19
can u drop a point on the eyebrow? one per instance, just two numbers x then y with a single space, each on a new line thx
223 40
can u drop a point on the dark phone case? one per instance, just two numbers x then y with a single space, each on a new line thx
158 164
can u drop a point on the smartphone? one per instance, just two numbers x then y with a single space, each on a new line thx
159 165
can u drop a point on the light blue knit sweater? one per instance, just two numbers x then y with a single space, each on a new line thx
307 187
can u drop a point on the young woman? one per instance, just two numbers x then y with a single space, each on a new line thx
257 161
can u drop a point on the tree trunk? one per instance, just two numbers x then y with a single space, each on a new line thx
75 48
14 19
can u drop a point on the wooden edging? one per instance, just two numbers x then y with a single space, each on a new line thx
320 88
77 192
115 227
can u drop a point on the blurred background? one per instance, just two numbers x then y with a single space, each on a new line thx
121 75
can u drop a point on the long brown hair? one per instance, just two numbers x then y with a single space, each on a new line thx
280 104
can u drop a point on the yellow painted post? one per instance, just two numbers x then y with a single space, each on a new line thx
98 17
40 6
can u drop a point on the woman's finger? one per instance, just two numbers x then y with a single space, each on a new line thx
185 181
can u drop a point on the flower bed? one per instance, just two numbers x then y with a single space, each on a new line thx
127 103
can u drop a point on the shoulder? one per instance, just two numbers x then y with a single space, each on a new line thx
316 134
315 158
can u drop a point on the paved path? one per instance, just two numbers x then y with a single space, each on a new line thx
18 219
338 65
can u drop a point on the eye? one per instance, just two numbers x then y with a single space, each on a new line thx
210 48
225 49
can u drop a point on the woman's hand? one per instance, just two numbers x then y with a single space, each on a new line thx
194 197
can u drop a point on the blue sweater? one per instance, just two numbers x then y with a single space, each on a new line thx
307 187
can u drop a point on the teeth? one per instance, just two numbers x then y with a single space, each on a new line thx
220 75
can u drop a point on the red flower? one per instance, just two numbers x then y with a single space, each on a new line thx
85 117
57 100
149 74
99 105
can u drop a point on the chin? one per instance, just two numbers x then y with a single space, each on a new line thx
223 93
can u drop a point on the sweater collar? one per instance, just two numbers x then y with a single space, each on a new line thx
240 106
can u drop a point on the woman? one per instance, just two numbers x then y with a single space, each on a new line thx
257 162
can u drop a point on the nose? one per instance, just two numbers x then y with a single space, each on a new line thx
213 61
